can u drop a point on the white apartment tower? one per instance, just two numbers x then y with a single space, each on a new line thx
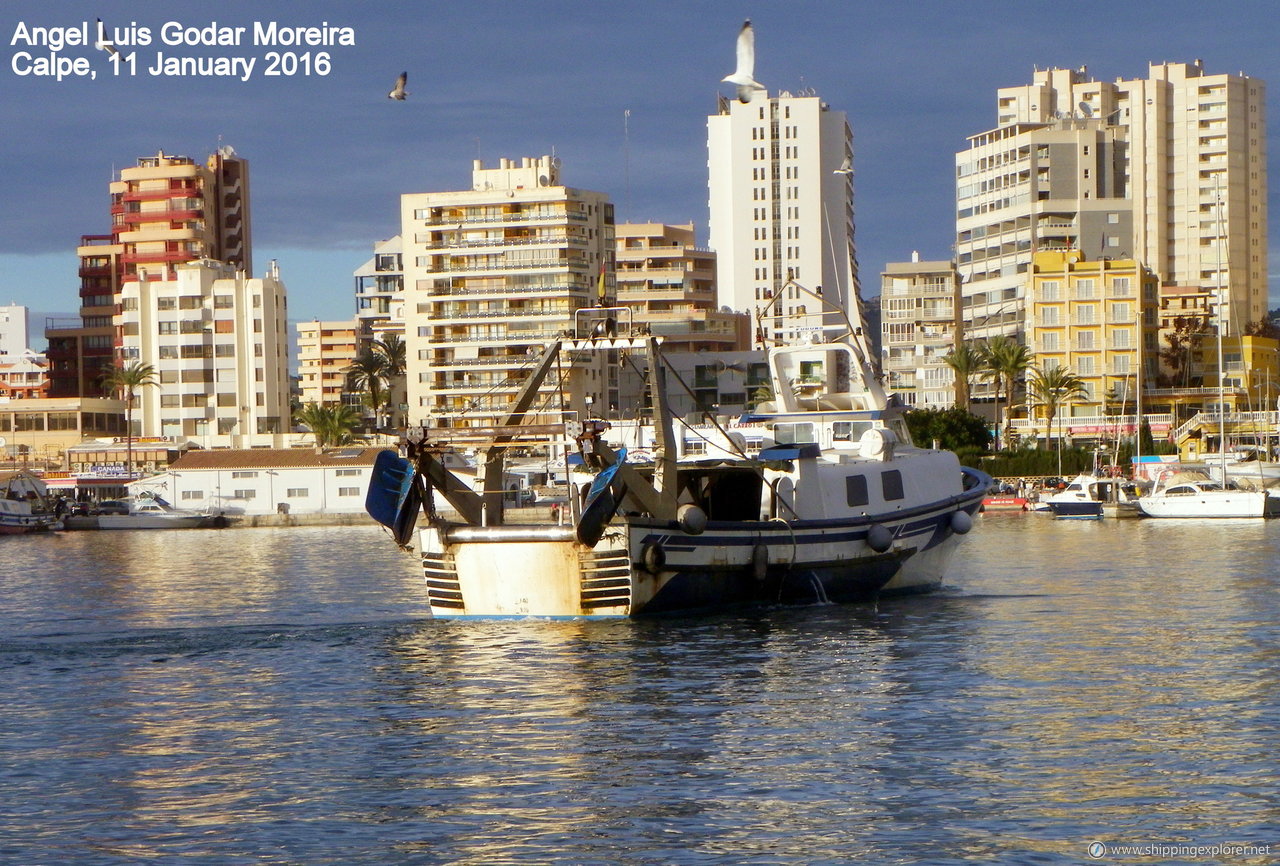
491 275
217 340
781 201
380 291
14 329
1154 169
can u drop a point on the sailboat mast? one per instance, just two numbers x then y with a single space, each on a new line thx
1222 323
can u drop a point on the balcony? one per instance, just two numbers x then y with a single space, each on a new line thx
184 191
157 257
163 215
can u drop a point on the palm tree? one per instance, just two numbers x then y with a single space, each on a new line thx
966 361
331 425
127 380
367 374
1004 360
1052 388
391 347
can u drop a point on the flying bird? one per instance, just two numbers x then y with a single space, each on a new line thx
846 167
102 42
398 92
742 76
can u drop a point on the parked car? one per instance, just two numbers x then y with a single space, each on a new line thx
112 506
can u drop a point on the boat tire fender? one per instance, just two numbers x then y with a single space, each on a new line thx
879 538
961 522
759 562
653 556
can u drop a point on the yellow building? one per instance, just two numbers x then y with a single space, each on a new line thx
325 351
1096 318
669 284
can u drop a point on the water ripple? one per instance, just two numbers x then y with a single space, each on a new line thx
283 697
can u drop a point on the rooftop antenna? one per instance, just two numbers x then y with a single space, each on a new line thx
626 158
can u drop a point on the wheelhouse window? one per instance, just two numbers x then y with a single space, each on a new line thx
855 490
891 481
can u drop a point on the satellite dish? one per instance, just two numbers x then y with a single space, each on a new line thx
1086 109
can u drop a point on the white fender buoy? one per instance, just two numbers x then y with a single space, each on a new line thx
692 519
879 538
961 522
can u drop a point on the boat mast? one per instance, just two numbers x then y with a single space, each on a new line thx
1222 323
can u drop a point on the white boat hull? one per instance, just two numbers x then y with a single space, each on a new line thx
1212 504
648 567
155 521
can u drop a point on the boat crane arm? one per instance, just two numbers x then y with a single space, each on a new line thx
494 457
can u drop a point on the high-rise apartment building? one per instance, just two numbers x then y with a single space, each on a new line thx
781 200
493 273
920 325
14 329
669 285
380 291
325 351
1154 169
217 340
166 210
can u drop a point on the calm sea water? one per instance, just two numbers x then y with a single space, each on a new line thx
282 696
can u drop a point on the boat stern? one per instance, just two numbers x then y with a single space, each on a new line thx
515 571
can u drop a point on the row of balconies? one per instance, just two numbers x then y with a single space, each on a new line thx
501 292
185 191
131 217
502 243
516 218
499 267
441 317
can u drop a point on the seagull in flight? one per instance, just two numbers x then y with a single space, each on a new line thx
398 92
102 42
846 167
742 76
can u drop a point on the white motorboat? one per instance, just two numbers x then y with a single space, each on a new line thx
839 506
1189 493
153 512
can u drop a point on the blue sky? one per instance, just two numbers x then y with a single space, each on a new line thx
330 154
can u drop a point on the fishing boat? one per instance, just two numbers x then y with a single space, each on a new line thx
838 506
25 505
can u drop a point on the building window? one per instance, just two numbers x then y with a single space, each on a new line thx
348 491
297 492
244 474
245 494
348 472
192 494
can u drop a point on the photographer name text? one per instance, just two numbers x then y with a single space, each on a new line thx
176 49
